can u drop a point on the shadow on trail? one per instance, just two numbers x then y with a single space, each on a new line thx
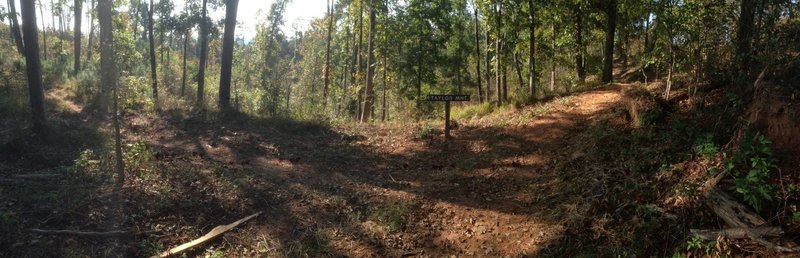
320 189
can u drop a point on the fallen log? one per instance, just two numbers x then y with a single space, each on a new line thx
219 230
737 233
732 212
36 176
743 221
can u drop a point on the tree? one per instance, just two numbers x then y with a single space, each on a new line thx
78 4
478 52
744 34
44 30
369 95
108 77
328 54
531 54
33 65
608 53
227 55
153 65
15 31
201 75
91 33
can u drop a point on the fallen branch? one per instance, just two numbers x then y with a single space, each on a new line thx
219 230
36 176
114 233
737 233
732 212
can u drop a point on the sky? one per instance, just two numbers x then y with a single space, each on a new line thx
250 12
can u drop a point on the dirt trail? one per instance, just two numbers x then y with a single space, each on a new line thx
492 191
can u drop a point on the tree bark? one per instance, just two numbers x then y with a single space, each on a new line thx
153 65
44 30
498 55
383 98
608 60
359 61
15 30
328 55
183 71
478 54
553 61
201 75
518 69
580 52
231 7
488 60
369 94
91 34
531 55
34 67
744 34
78 5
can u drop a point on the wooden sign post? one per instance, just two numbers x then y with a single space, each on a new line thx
447 99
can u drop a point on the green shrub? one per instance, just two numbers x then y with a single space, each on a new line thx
472 111
137 158
393 216
756 160
705 147
426 131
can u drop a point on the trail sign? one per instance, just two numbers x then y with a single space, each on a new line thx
447 99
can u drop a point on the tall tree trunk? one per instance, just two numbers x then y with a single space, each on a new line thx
32 62
478 54
744 34
183 71
553 61
53 19
108 77
359 61
608 60
328 56
383 98
231 7
488 61
369 94
91 34
15 30
153 65
44 30
531 55
580 52
78 5
518 68
498 54
504 76
201 74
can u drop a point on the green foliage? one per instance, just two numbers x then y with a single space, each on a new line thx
756 160
652 116
705 147
697 243
473 111
135 93
426 131
393 216
137 158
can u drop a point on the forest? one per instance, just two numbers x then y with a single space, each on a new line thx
400 128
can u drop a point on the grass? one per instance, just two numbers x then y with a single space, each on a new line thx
393 216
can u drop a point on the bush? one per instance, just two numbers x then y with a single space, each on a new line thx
472 111
757 162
